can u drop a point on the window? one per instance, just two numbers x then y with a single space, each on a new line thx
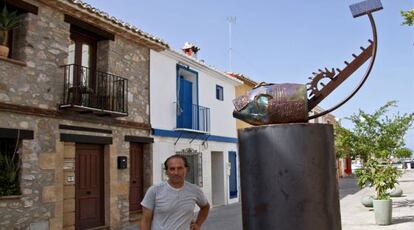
10 167
82 57
8 37
12 38
195 162
83 84
219 93
10 151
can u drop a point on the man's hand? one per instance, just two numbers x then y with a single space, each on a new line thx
202 216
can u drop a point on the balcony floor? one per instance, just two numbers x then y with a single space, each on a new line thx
98 112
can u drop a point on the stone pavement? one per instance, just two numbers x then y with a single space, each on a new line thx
354 216
357 217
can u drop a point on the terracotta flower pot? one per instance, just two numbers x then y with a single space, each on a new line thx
4 51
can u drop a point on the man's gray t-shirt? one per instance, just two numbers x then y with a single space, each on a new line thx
173 209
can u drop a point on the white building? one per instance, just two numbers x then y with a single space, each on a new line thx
191 114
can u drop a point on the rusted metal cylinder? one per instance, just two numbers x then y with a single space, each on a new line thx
288 177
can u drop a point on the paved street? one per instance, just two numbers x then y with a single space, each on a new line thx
354 216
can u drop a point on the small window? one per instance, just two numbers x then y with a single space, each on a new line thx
219 93
10 167
8 37
13 37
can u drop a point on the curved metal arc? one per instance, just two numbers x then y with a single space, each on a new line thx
367 72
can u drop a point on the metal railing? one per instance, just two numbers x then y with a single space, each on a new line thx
86 88
198 119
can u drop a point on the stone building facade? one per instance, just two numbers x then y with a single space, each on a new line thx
74 96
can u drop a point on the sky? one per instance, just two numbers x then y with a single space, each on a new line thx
285 41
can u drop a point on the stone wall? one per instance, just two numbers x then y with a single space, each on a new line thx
46 163
47 200
42 43
132 62
35 205
45 39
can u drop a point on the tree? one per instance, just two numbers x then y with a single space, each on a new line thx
376 139
408 17
374 135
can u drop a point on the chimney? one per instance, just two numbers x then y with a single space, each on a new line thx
190 50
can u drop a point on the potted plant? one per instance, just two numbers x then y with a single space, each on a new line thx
376 139
383 177
8 21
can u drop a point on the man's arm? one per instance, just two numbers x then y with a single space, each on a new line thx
146 219
201 217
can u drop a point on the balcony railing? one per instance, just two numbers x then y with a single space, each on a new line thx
94 91
193 118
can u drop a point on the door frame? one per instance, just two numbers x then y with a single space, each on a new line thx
190 75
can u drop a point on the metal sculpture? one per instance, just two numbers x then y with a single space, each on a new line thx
269 103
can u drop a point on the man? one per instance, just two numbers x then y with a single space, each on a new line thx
170 205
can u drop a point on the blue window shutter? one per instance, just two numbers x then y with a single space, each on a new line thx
233 174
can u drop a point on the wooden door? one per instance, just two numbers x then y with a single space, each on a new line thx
136 188
89 184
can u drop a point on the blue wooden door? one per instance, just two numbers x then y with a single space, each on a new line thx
184 120
233 174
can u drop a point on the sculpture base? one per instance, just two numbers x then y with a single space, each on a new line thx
288 177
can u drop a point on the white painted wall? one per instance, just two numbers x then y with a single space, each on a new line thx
221 112
163 94
163 78
162 91
163 147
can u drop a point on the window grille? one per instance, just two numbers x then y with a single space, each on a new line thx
195 162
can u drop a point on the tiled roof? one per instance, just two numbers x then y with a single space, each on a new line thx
117 21
203 64
243 78
137 31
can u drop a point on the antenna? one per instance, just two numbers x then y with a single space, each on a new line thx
230 20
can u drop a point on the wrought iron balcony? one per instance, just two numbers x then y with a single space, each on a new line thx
193 118
86 90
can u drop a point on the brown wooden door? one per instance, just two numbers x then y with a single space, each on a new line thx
136 188
89 195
